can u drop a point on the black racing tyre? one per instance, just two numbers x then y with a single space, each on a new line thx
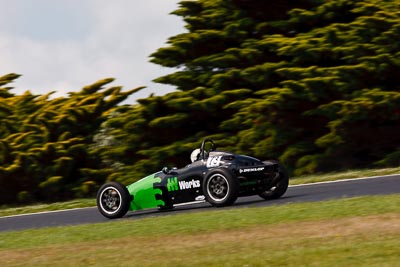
280 188
220 188
113 200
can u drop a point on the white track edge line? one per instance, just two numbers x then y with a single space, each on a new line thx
45 212
346 180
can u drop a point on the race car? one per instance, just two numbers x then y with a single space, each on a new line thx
218 177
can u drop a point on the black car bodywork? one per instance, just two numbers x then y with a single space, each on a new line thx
217 177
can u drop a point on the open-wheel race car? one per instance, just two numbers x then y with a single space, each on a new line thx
217 177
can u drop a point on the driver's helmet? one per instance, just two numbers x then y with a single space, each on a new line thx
196 155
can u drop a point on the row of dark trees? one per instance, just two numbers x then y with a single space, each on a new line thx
313 83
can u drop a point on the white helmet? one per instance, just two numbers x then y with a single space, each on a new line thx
195 155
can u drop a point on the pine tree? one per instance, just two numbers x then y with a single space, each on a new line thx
316 74
313 83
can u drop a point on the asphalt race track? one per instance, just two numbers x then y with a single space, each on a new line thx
389 184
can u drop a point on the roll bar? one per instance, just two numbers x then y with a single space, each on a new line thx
203 144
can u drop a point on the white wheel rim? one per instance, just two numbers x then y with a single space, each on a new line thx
110 200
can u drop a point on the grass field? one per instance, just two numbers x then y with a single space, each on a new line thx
363 231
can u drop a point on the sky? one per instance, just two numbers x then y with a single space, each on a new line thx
63 45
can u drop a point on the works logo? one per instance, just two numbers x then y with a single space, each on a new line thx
173 184
189 185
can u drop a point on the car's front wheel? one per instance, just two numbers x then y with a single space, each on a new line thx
220 188
279 188
113 200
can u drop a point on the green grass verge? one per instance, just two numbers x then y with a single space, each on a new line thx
329 233
82 203
77 203
323 177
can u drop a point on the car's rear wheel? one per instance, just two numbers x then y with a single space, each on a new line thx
113 200
220 188
279 188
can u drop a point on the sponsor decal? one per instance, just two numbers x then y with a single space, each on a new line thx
251 170
214 161
189 185
200 198
173 184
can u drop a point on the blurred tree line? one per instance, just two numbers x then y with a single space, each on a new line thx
46 145
312 83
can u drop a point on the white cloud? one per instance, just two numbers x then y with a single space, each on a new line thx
114 40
